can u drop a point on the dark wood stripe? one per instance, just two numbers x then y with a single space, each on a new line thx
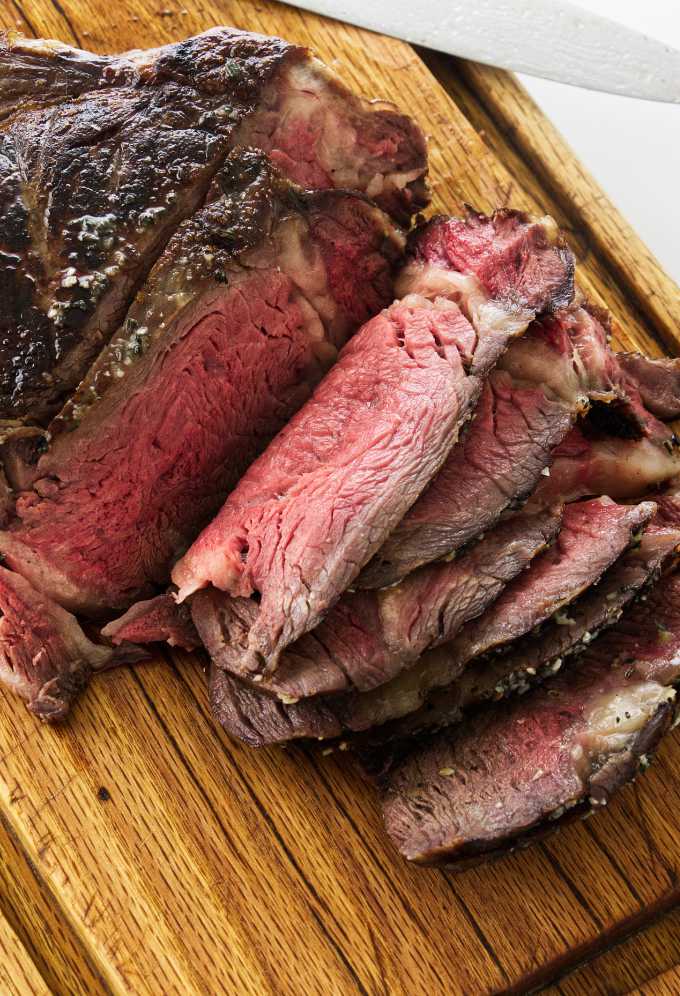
37 916
614 861
481 936
62 13
559 870
560 968
24 16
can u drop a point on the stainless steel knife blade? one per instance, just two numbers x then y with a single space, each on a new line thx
554 39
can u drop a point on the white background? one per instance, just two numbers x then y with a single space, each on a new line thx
632 147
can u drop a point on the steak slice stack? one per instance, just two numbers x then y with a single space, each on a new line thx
374 434
517 769
593 536
370 637
537 656
101 158
239 318
543 382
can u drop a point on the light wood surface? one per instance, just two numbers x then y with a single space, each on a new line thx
18 974
145 853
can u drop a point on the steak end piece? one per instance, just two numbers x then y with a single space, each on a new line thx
102 157
44 655
515 770
154 620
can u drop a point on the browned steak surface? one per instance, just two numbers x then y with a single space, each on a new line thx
101 158
240 317
519 768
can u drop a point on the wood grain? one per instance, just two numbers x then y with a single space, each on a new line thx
158 856
18 974
634 963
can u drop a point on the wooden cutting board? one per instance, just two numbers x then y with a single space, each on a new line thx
145 853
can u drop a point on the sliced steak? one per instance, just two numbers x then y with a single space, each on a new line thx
356 450
518 769
44 655
102 157
658 382
309 513
545 379
594 534
537 656
369 636
154 620
239 319
587 463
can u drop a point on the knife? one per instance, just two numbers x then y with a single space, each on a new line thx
554 39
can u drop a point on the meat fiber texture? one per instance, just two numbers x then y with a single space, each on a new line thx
539 655
544 381
239 319
44 655
516 770
154 620
372 422
593 536
310 512
103 157
658 382
370 636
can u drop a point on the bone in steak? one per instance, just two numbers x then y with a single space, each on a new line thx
44 655
238 320
360 453
518 769
102 157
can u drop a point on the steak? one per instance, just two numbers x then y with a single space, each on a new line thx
543 382
376 431
587 464
658 382
154 620
101 158
593 536
368 637
539 655
518 769
239 318
44 655
306 515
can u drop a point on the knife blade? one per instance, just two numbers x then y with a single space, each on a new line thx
554 39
